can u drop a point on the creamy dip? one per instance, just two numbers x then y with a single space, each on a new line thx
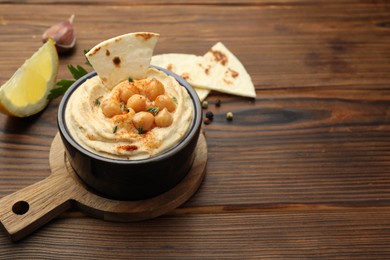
116 137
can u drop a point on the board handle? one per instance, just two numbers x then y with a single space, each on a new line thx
24 211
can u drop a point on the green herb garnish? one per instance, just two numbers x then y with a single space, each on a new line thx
130 79
123 107
174 100
87 62
57 92
115 129
140 130
153 110
77 72
97 101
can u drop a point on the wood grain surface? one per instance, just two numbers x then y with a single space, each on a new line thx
29 209
302 171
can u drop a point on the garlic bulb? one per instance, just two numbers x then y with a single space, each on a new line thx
63 35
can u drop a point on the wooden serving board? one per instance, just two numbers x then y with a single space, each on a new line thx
26 210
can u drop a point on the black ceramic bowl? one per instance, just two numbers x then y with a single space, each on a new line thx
138 179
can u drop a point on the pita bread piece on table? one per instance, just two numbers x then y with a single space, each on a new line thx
122 57
184 65
223 72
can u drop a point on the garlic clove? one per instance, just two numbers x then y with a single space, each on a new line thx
63 35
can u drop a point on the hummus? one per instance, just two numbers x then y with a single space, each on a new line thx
116 137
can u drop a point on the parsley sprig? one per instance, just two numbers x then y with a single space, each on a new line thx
153 110
77 72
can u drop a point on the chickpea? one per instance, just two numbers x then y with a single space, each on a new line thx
111 107
163 101
153 89
124 121
127 90
143 120
137 102
163 118
140 84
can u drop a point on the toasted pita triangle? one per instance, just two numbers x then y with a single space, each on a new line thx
122 57
202 93
217 70
223 72
183 65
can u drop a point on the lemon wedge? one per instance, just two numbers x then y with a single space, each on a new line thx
25 93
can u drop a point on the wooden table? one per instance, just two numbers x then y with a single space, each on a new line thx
301 172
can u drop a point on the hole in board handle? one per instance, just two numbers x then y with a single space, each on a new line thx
20 207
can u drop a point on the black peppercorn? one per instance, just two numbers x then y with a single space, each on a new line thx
210 115
218 103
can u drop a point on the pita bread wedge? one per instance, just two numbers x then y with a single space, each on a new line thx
217 70
223 72
202 93
122 57
185 66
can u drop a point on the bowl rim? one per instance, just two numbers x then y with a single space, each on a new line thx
196 123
